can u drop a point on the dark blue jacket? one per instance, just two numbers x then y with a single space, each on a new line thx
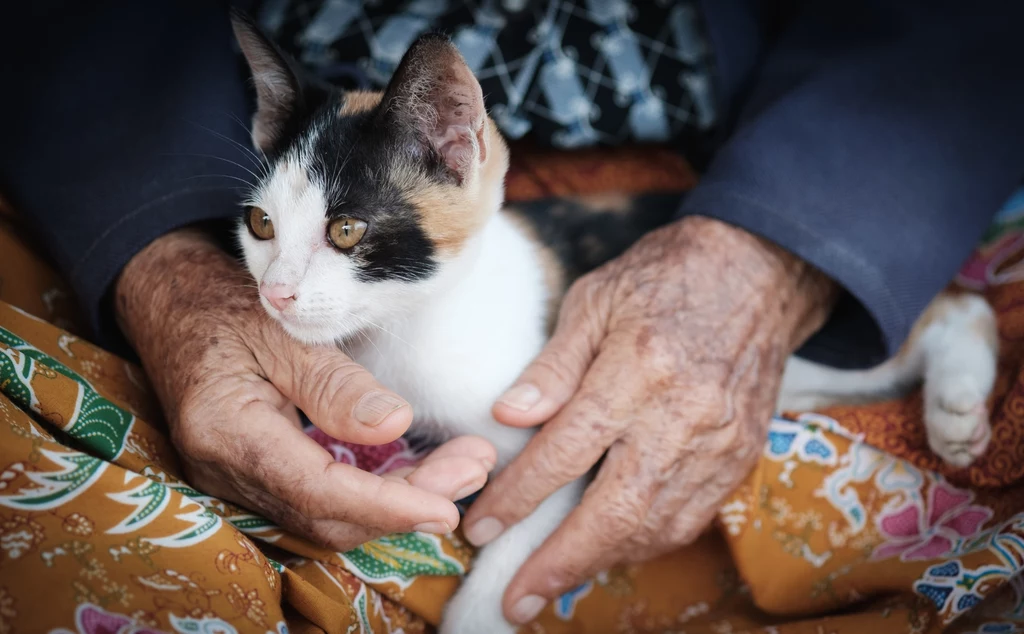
874 138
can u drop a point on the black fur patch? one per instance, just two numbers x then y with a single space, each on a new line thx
584 238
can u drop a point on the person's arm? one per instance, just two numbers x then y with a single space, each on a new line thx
119 122
878 141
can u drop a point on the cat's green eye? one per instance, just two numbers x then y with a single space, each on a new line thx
346 232
259 224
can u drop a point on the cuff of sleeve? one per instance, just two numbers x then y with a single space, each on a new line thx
867 325
96 272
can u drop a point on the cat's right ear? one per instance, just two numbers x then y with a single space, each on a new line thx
278 88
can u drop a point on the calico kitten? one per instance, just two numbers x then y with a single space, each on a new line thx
380 226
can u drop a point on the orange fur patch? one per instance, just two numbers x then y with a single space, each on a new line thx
450 214
360 101
945 301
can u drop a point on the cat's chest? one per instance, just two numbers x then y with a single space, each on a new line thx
458 352
452 369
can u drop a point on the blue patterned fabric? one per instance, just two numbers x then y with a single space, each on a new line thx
569 73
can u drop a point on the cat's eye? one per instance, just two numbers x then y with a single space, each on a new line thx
260 224
346 232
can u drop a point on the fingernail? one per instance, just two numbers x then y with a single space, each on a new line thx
521 397
527 608
484 531
438 528
374 407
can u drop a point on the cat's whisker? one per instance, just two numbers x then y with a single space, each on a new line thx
260 162
362 333
221 158
235 178
391 333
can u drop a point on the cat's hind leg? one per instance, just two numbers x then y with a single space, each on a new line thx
960 349
953 349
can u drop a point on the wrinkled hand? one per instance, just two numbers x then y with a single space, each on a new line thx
668 358
227 374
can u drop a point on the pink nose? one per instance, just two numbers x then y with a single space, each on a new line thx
280 296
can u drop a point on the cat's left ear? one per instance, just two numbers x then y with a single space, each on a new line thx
434 93
279 89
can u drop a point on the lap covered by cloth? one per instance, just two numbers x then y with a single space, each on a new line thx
848 524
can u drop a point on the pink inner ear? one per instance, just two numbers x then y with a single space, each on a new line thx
458 104
435 93
456 146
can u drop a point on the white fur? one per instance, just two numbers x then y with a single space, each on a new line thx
953 356
450 345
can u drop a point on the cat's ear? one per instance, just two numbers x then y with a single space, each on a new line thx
434 93
278 87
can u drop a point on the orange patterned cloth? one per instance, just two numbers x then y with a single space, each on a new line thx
847 525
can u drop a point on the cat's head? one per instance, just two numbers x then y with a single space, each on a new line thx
369 199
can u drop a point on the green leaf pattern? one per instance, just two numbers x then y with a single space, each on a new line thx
100 425
400 558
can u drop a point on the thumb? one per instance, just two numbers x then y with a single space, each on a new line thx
338 395
554 376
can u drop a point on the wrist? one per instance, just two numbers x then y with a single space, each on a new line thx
181 289
797 296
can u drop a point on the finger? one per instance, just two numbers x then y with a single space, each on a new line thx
675 518
339 396
562 451
550 381
293 468
589 540
468 447
453 477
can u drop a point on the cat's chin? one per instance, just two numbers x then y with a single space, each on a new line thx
312 335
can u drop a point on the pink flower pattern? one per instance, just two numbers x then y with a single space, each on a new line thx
376 459
92 619
916 533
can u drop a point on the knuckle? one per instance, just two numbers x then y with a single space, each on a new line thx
620 519
335 388
731 438
582 300
560 459
555 363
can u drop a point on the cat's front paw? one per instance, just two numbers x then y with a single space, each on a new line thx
475 610
957 421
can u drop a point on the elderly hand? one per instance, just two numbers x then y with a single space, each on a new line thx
669 359
227 376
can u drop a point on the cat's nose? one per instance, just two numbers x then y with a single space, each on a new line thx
280 296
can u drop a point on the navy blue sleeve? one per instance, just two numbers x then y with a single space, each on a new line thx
119 121
876 142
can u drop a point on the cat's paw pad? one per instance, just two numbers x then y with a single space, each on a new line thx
957 422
